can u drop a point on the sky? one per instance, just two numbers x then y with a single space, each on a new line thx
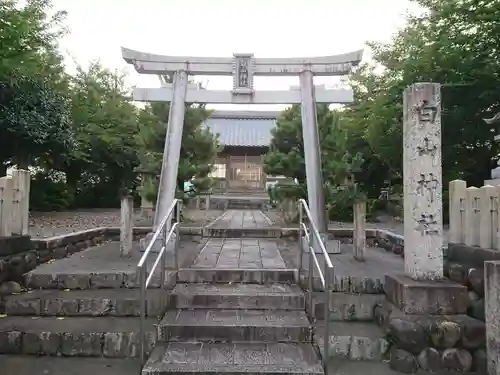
266 28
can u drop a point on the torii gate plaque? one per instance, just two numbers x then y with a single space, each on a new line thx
243 68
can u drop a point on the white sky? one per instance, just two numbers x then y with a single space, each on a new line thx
267 28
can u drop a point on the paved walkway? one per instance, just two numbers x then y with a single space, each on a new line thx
236 219
240 253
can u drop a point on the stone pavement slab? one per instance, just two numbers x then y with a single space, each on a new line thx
220 325
229 253
241 219
239 296
101 267
248 358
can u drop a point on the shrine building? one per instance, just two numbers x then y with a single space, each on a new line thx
245 137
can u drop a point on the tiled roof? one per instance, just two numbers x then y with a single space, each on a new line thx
243 128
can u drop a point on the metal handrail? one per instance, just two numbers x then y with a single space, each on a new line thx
325 276
142 271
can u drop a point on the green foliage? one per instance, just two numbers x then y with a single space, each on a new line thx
29 40
339 163
34 119
198 150
48 192
453 43
34 112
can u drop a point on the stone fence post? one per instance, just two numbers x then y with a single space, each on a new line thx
6 196
457 208
20 201
126 224
488 217
359 231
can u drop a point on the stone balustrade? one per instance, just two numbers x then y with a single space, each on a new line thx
474 215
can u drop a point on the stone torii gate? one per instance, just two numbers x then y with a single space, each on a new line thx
243 68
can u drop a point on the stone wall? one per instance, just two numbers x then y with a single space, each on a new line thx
465 265
433 342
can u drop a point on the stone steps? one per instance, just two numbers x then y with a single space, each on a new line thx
100 302
72 336
237 275
242 232
31 365
237 204
235 326
233 358
356 341
238 296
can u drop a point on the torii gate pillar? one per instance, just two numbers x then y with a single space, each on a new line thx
312 152
172 149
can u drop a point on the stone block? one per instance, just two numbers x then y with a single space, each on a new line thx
60 306
103 280
81 344
73 281
426 297
93 306
41 343
11 245
492 314
22 307
10 342
471 255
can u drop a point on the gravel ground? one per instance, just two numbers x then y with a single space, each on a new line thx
47 224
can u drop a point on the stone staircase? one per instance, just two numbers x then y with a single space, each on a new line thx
255 325
219 321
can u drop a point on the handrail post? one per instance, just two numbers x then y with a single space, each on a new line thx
328 293
301 247
178 211
142 299
310 275
176 252
163 260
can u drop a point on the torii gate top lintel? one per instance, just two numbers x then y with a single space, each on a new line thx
336 65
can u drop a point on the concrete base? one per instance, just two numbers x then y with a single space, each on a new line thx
144 242
332 246
426 297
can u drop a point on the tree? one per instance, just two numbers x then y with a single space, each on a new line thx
34 112
339 163
101 162
454 43
198 149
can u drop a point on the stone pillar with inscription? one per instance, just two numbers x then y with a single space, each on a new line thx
422 289
423 218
